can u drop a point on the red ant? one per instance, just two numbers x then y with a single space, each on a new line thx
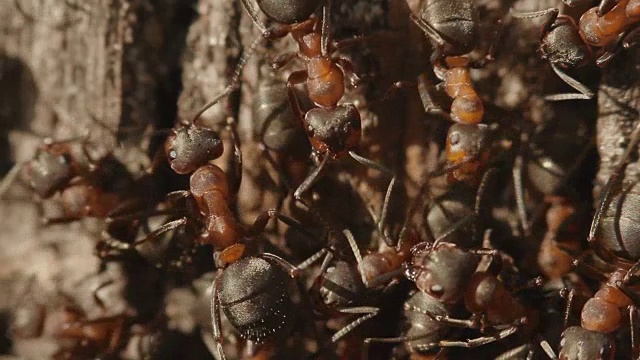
453 32
333 129
611 240
567 45
85 187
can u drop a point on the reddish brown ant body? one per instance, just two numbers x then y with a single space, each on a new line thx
567 45
85 187
333 129
453 31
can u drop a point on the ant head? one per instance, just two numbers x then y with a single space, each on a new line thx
442 271
563 45
466 141
50 171
581 344
288 11
334 131
191 147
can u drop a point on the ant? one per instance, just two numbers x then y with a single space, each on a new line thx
344 288
567 45
610 238
85 187
453 32
445 274
333 129
242 283
101 336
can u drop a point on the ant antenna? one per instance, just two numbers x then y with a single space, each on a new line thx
585 92
10 178
235 80
613 180
326 22
254 16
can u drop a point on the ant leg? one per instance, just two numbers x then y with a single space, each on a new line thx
585 92
518 189
283 59
633 325
367 311
429 105
480 197
237 154
454 227
588 270
235 80
325 34
356 253
391 340
604 7
631 38
123 246
385 205
544 344
294 271
570 296
613 181
261 221
633 270
350 70
216 321
515 353
10 178
308 182
470 343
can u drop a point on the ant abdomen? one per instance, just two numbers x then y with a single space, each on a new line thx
254 295
455 21
275 124
619 227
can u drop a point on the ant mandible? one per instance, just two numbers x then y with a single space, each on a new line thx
567 45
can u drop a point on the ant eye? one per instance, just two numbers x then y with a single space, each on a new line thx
436 290
310 130
65 159
172 154
454 138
